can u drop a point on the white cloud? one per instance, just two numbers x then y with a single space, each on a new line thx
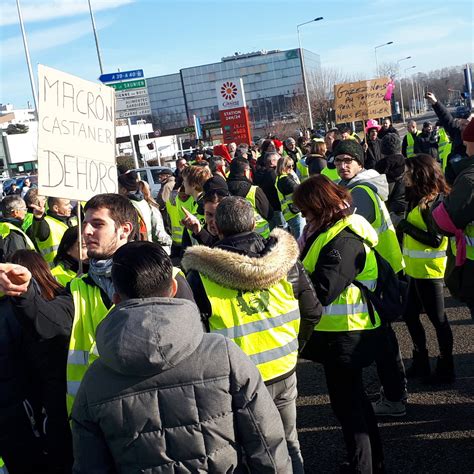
48 38
42 10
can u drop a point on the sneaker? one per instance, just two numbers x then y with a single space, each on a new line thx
384 407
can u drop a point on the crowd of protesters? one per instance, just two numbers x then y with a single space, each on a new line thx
165 337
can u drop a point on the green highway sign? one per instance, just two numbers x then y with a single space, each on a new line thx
121 86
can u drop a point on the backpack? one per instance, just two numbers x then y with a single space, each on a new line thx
390 295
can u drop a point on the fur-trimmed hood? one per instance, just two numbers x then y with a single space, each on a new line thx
245 272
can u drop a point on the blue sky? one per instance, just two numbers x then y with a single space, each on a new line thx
162 36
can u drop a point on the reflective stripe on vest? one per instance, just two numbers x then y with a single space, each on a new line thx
264 324
331 173
422 261
285 201
89 311
388 245
7 227
49 247
411 144
349 311
469 237
261 225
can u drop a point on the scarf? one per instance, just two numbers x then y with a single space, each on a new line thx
100 271
444 222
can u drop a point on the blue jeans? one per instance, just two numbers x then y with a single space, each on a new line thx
284 395
296 226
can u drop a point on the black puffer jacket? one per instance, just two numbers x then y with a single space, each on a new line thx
163 397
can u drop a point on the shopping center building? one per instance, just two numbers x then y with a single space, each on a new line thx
272 80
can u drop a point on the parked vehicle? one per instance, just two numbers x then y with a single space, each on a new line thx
151 174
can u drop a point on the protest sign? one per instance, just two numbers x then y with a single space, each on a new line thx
361 100
76 136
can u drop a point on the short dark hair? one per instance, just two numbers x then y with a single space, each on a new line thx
214 162
52 201
142 270
31 197
238 166
120 208
68 241
234 215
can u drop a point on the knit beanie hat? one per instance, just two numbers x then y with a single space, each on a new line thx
129 181
391 144
468 133
351 148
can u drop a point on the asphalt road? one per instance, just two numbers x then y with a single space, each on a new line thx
435 436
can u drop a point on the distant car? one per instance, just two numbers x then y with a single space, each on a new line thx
151 175
461 112
7 185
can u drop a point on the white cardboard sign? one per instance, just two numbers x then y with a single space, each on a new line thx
76 136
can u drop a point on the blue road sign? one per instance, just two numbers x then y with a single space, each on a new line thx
121 76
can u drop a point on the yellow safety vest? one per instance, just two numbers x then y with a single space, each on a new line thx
27 221
469 236
49 247
174 208
302 169
444 147
349 311
422 261
7 227
89 311
63 275
261 225
263 323
331 173
285 201
411 144
388 245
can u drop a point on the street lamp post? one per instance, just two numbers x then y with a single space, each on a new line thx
305 83
375 50
405 73
401 89
95 37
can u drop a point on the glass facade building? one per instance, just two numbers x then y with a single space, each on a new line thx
271 81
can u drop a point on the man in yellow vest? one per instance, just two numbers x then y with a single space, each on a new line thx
48 227
12 237
110 222
409 143
254 291
369 190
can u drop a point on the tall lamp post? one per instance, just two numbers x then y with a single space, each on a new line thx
401 90
375 51
413 90
95 37
305 83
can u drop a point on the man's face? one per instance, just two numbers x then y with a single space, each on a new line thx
63 207
273 161
411 127
27 183
291 145
101 236
347 166
210 216
345 135
386 124
232 147
181 164
329 140
373 134
20 213
428 128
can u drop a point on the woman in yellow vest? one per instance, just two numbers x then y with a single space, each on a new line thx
424 251
285 184
336 250
46 344
66 262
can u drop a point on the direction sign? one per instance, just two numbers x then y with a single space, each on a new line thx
132 103
131 93
133 113
121 76
122 86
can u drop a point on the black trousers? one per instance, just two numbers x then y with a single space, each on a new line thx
428 294
356 416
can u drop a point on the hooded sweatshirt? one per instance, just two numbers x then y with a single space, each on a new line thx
361 201
156 399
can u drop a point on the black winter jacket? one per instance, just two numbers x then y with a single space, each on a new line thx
164 397
265 179
373 153
427 142
383 132
249 262
13 242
